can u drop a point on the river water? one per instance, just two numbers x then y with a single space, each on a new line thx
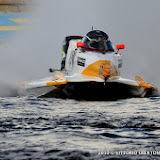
32 128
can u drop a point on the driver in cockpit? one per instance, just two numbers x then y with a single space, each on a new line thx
94 40
97 40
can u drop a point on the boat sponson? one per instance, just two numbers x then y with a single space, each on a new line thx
95 91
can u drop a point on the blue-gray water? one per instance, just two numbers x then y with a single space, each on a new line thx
32 128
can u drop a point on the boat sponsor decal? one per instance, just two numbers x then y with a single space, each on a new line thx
105 69
120 63
101 69
81 61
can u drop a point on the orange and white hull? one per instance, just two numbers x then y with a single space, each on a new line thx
89 75
89 88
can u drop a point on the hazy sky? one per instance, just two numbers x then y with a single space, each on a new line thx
30 53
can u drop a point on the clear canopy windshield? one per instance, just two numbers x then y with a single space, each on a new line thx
97 40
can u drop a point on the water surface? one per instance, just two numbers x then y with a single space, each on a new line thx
32 128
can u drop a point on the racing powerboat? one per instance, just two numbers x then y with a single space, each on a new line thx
90 70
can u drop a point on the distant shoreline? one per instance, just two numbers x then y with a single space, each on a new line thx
15 6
